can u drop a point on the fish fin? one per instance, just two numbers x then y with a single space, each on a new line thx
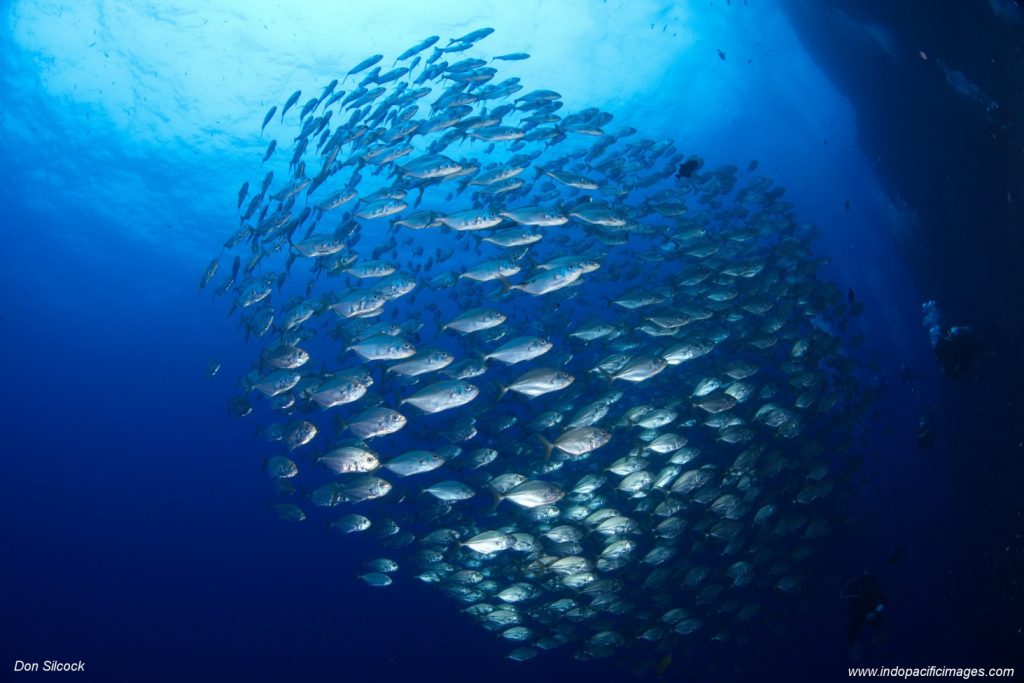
502 390
548 447
496 500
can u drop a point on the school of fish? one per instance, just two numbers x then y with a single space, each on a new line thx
581 383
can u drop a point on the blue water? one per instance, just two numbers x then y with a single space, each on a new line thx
136 533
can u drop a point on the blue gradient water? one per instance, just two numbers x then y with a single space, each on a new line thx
135 532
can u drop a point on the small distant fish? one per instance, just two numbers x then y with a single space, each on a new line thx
686 170
630 350
270 150
417 48
209 273
363 65
290 102
473 36
266 119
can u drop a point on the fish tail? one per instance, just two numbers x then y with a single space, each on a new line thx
548 447
496 499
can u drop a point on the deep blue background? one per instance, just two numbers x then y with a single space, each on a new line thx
134 532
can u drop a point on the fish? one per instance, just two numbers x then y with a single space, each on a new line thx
290 102
520 349
362 66
308 107
209 273
375 422
417 48
515 237
358 303
473 36
340 389
318 245
548 281
471 219
298 433
641 368
352 523
577 441
491 270
442 395
371 269
475 320
382 209
423 361
277 382
431 166
383 347
539 381
266 119
280 467
531 494
349 460
676 456
414 462
450 491
489 542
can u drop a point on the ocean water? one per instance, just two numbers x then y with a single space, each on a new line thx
138 532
